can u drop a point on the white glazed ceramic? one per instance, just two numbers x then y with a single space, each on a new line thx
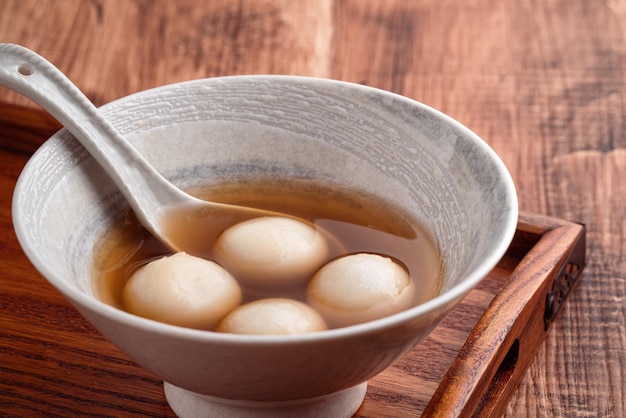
149 194
208 131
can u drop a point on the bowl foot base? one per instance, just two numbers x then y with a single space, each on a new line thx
186 404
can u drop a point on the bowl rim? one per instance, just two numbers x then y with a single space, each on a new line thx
469 281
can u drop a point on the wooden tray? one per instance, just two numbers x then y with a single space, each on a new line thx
473 361
53 363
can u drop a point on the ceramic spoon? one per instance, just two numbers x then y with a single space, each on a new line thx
179 220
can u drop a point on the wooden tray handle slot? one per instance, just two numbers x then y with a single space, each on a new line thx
507 337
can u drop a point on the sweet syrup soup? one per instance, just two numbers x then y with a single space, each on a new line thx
356 223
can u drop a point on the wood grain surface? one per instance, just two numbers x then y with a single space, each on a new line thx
541 81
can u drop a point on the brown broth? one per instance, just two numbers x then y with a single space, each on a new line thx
359 222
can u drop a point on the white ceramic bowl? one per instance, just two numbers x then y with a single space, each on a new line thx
203 131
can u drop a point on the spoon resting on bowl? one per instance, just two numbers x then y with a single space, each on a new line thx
179 220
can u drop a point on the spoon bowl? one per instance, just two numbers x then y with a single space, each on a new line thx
179 220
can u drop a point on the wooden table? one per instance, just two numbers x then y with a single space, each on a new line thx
543 82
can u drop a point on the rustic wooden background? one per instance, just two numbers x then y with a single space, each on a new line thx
541 81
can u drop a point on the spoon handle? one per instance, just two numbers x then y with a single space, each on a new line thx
36 78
